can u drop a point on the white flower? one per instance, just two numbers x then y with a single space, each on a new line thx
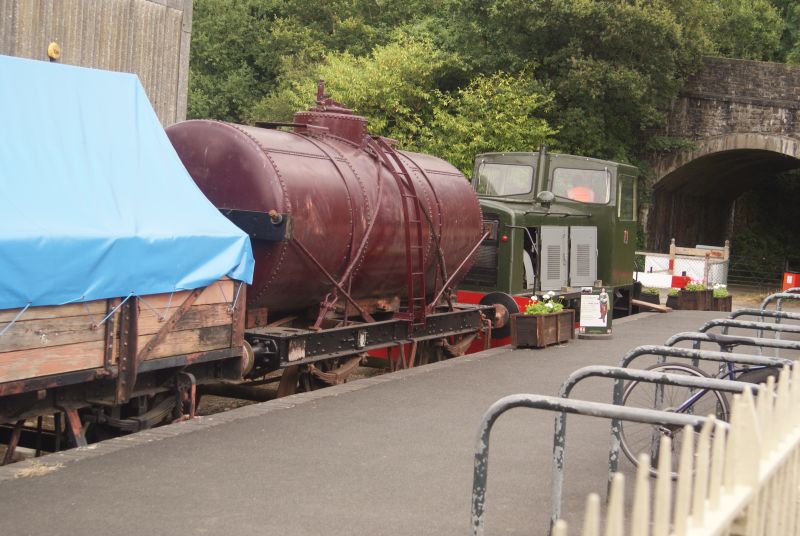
717 285
549 305
551 293
535 297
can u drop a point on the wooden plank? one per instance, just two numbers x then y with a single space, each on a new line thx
652 306
32 363
694 252
49 332
219 292
190 341
96 308
198 316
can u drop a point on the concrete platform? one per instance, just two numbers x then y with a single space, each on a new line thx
390 455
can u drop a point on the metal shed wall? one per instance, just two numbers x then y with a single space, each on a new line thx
147 37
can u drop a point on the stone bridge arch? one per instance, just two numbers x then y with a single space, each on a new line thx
743 118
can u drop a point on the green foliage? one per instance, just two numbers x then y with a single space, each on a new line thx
790 40
694 287
614 66
459 77
720 291
749 29
650 290
765 237
499 112
548 304
669 144
393 87
673 292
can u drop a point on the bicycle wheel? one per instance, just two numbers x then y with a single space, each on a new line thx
636 438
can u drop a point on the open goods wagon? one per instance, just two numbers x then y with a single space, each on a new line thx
121 287
118 366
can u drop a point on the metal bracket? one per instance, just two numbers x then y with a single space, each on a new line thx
270 226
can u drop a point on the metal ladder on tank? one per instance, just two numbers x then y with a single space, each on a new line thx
412 218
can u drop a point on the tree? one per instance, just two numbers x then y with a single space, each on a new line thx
499 112
614 66
749 29
394 87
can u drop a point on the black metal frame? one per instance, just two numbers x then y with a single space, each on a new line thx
283 346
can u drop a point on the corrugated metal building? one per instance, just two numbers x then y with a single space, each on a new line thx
147 37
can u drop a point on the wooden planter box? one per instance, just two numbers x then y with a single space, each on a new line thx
722 304
672 302
538 331
650 298
694 300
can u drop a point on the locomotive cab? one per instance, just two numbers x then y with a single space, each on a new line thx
557 223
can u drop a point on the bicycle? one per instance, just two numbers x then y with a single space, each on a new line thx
636 438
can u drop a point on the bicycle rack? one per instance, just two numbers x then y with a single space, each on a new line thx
624 374
788 294
561 405
764 313
728 323
726 342
618 413
684 353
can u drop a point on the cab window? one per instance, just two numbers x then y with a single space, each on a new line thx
627 198
584 185
504 179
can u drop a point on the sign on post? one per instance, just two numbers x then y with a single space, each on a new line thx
596 312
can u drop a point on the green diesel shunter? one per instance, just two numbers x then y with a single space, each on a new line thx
556 222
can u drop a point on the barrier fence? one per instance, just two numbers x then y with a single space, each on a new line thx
744 482
740 477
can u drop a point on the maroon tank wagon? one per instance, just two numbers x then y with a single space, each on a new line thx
358 246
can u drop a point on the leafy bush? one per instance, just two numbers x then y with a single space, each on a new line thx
548 304
673 292
695 286
650 290
721 291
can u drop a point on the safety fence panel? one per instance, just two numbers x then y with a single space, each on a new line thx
745 481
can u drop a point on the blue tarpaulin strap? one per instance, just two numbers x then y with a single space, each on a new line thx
94 201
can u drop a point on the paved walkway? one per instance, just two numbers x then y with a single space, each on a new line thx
390 455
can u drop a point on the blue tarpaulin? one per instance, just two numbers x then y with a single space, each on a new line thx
94 201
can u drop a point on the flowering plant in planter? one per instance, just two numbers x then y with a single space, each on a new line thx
673 292
650 290
721 291
544 306
695 286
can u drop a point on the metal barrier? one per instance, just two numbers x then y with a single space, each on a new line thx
726 342
721 473
728 323
559 437
789 294
683 353
551 403
764 313
745 481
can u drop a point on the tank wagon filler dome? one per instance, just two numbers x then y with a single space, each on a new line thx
344 204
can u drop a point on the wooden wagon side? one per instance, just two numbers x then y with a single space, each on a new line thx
106 353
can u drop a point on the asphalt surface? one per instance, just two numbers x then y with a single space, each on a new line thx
390 455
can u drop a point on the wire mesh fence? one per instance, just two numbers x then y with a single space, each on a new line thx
754 272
